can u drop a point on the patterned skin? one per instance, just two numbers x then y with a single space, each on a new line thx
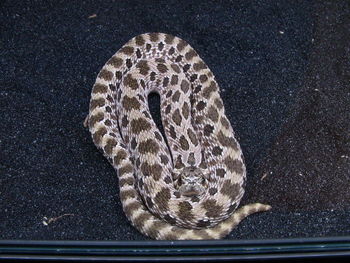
187 185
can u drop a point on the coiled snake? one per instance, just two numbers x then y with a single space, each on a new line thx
188 183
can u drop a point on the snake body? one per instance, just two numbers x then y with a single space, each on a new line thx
187 182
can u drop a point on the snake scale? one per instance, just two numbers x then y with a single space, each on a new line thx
184 183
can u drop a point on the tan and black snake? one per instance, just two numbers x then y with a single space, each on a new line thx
188 183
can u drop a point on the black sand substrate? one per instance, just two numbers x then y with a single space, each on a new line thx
284 72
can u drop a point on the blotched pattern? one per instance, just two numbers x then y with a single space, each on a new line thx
198 134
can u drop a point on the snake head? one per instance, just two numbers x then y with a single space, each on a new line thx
191 181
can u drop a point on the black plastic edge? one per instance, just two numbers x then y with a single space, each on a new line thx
176 243
206 250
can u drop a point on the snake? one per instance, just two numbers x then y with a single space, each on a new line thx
185 179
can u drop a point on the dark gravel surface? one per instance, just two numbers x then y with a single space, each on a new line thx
284 72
